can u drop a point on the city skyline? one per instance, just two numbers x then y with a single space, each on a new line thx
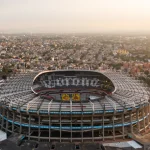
80 16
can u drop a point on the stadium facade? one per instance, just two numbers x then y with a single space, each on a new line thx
74 106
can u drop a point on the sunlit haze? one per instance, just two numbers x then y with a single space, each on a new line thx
74 16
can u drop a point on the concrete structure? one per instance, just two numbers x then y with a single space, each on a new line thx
74 106
3 136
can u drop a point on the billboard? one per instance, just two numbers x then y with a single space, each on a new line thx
76 97
73 97
65 97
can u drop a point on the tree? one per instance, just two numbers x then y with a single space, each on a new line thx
117 66
4 77
146 72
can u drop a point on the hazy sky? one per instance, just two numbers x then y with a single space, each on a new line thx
74 16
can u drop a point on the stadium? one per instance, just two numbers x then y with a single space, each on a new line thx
74 105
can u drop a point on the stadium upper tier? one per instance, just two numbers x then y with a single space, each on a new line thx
76 92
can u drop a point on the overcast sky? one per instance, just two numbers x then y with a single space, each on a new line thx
65 16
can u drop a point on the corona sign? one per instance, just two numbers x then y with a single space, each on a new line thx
76 97
65 97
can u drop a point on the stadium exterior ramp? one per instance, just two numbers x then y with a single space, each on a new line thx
74 106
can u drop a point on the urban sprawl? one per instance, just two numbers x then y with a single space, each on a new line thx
36 52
